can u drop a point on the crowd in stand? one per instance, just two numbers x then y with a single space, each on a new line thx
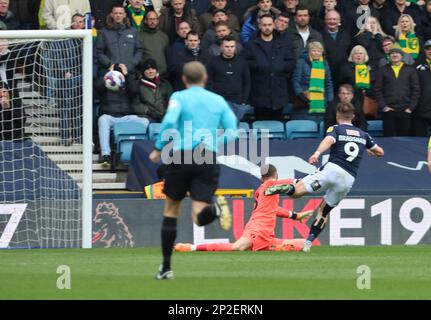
271 60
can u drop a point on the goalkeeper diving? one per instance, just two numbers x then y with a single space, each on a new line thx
259 233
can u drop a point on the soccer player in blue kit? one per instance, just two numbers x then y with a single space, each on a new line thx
347 144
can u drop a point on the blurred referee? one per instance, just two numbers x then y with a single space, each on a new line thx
195 114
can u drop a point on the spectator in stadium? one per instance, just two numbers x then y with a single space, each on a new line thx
422 114
100 10
206 19
371 38
192 52
222 30
394 10
155 42
271 63
136 11
313 6
209 37
200 6
118 42
346 95
302 33
387 43
405 35
397 92
288 7
150 93
252 18
171 17
239 8
358 73
180 42
380 5
7 16
7 63
312 83
318 21
25 11
426 21
361 13
229 76
202 110
57 14
12 116
282 23
116 107
259 232
337 43
68 90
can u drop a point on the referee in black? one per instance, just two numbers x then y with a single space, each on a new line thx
195 115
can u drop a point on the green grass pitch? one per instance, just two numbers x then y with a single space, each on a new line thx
397 272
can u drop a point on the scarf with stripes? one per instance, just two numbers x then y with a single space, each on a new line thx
362 77
410 44
137 17
317 86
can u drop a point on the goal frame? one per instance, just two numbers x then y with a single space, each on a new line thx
87 92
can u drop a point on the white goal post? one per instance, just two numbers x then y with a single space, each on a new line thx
87 115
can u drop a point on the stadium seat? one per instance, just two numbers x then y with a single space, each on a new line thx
296 129
125 134
243 134
275 128
375 128
154 130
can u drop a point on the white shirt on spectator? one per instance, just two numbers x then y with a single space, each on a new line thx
304 35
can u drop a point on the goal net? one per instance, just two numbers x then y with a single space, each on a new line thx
45 139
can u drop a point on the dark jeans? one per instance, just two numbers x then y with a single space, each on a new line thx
69 102
396 123
420 126
240 109
268 114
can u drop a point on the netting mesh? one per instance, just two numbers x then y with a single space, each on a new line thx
41 140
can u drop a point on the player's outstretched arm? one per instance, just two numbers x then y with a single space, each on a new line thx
323 146
376 151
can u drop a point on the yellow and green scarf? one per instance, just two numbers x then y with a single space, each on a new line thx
94 34
317 86
410 44
429 63
362 77
137 17
39 15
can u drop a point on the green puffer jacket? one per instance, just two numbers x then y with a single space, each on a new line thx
151 103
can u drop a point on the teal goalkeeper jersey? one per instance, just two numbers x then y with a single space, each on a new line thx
196 114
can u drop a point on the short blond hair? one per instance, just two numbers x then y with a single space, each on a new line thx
194 72
315 45
356 49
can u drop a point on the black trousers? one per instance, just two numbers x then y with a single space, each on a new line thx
268 114
396 123
421 126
